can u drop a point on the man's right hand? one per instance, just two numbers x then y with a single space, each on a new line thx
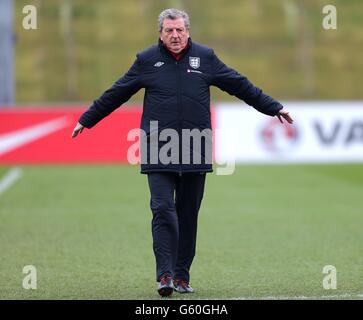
77 130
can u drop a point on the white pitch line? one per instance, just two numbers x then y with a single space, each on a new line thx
336 296
9 179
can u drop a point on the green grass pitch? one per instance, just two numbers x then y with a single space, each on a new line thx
264 232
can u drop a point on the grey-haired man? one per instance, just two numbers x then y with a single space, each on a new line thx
177 74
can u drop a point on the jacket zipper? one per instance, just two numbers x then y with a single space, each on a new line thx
179 115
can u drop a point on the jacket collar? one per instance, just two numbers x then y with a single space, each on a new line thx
183 52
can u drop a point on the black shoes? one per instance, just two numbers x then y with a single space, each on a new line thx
166 286
182 286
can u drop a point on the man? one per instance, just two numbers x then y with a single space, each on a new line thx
176 74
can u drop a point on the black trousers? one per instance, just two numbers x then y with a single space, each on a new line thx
175 202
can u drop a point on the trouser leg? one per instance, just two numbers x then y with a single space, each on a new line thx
164 222
189 194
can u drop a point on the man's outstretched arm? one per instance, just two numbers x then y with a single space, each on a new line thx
111 99
235 84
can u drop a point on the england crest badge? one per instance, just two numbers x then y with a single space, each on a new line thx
194 62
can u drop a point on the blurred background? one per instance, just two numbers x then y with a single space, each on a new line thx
82 46
78 212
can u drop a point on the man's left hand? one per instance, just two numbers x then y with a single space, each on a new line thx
284 114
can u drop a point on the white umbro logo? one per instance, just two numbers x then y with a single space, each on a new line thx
158 64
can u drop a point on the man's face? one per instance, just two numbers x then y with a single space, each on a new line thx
174 34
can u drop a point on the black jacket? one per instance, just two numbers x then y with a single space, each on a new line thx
177 96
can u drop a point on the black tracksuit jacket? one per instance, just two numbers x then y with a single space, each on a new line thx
177 95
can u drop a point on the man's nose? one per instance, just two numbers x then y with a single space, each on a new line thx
175 33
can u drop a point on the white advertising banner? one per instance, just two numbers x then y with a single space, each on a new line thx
322 132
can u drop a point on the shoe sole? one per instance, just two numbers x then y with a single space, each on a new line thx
183 292
165 292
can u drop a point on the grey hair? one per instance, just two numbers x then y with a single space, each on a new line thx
173 14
